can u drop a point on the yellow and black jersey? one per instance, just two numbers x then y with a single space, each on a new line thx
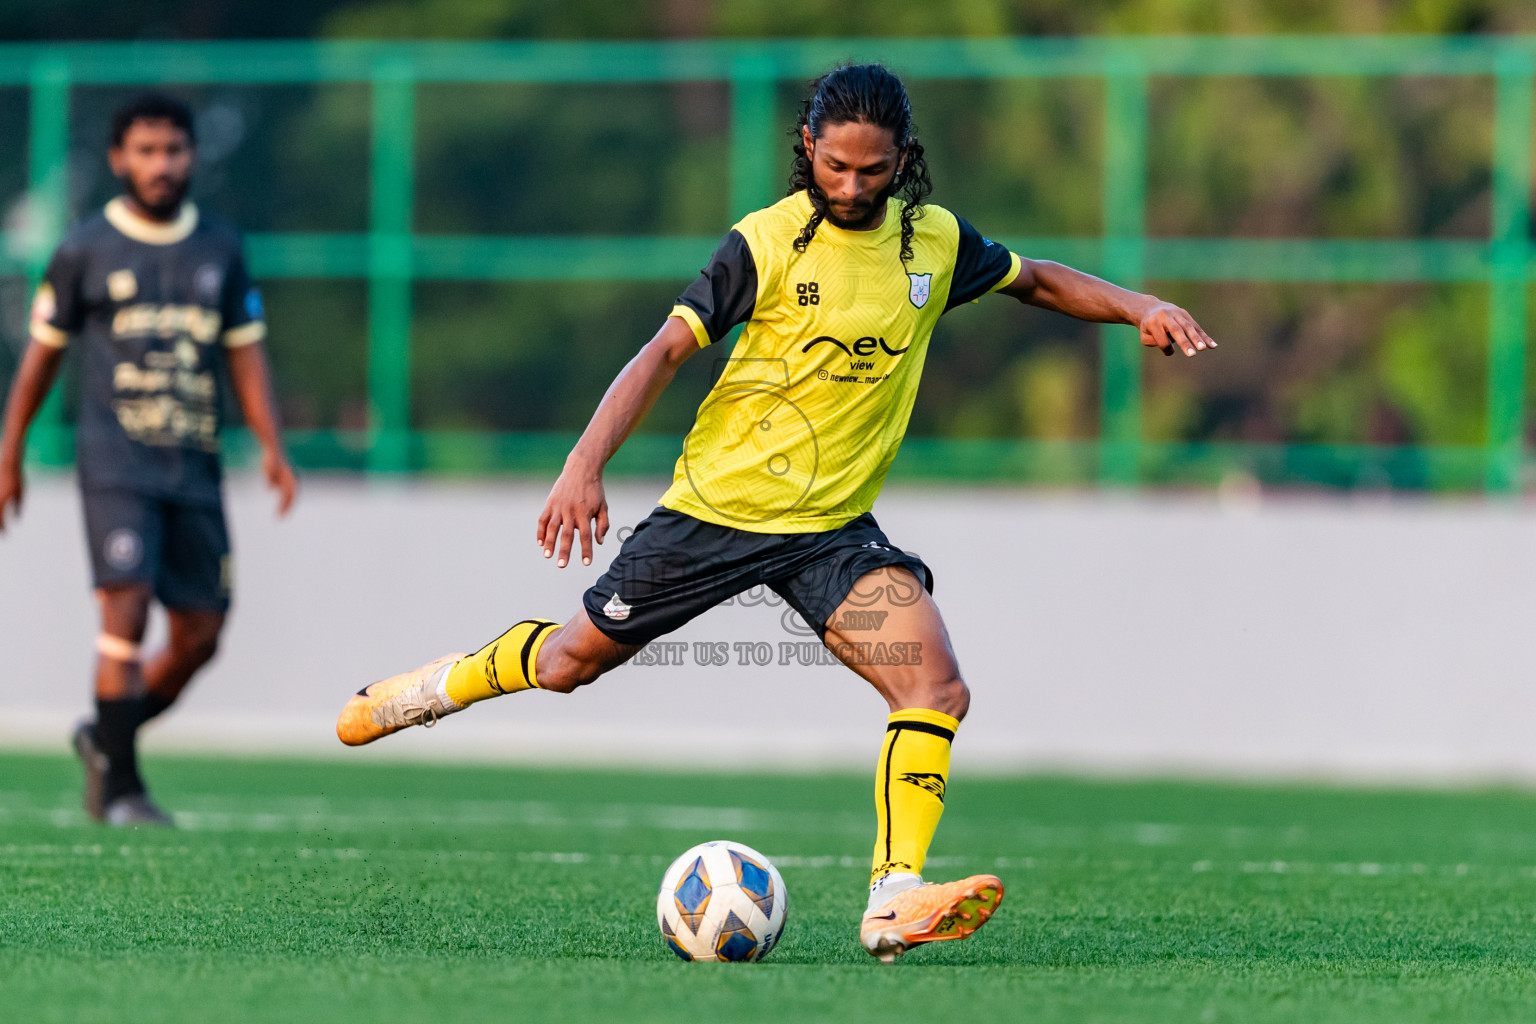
808 411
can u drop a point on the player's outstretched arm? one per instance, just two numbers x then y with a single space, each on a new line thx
39 366
1163 325
252 384
577 505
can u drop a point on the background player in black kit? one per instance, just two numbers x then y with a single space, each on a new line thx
157 295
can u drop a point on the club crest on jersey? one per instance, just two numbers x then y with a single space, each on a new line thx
920 289
616 609
122 285
209 281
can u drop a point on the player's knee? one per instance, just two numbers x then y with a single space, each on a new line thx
574 657
564 671
202 650
125 611
197 648
952 697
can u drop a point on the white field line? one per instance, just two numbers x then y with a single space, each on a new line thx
215 814
793 862
318 814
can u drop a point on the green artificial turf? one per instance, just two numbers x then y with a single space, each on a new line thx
359 892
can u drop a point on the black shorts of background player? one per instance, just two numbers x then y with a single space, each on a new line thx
157 298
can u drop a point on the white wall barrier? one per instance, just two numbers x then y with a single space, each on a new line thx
1360 638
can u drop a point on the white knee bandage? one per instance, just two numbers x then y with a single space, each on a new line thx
116 648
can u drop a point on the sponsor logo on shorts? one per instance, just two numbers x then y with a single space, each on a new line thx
123 549
616 609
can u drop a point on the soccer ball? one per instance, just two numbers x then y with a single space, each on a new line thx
721 901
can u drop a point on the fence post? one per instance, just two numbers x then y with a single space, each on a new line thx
1512 139
1125 222
753 156
47 197
389 266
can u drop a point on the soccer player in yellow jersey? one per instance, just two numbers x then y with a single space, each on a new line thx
839 285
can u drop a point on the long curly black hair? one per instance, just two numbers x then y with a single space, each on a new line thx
868 94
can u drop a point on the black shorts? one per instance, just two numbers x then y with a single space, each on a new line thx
180 551
675 567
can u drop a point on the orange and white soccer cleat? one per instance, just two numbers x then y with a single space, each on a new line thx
411 698
932 912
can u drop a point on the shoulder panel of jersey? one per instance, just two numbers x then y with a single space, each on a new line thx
225 231
981 266
244 312
727 290
57 310
241 306
87 231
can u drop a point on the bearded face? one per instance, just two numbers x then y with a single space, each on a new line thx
154 163
856 166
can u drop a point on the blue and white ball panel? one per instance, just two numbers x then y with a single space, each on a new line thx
721 901
735 942
755 880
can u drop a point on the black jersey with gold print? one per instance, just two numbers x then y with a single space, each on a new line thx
808 412
154 306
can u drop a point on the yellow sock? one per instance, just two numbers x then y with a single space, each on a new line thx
505 665
909 788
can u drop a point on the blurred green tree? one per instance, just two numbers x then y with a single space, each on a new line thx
1245 157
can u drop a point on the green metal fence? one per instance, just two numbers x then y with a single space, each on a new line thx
391 255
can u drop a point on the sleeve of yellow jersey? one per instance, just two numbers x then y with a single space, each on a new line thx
723 295
981 266
1014 266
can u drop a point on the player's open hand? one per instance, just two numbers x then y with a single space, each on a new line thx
1167 327
576 506
11 487
279 474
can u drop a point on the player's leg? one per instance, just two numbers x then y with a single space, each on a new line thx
890 632
538 655
871 603
192 643
670 569
124 532
192 582
535 654
107 745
